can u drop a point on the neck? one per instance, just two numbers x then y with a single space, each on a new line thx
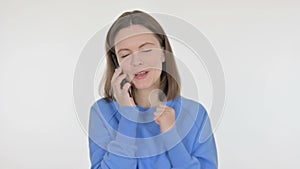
147 97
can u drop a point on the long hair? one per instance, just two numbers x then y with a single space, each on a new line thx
169 78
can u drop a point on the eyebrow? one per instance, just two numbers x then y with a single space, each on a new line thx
142 45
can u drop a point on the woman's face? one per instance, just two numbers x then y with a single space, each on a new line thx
140 55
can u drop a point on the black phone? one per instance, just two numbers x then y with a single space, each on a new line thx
116 63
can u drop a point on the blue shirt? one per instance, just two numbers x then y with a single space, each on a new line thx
124 137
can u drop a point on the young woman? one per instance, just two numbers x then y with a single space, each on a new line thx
143 122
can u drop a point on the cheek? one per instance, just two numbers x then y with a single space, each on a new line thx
156 73
155 63
125 67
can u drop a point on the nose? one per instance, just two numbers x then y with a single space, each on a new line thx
136 60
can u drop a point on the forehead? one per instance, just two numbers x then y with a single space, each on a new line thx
133 36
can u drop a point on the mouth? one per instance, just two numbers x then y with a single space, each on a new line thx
141 74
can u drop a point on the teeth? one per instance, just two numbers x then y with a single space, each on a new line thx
142 72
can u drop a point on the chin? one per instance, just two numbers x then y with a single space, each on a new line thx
140 86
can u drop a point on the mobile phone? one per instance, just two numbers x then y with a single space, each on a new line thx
116 63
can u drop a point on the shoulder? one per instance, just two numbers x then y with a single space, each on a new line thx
193 112
103 108
189 105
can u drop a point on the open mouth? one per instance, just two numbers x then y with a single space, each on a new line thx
141 74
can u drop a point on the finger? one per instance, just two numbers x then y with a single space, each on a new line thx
157 121
158 112
166 108
157 115
126 88
163 106
161 109
118 81
117 72
116 88
155 118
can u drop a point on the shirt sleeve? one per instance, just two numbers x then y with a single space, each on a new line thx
110 149
204 152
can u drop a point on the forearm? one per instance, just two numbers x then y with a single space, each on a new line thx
202 156
119 151
102 159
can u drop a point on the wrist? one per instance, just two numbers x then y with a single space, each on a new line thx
167 128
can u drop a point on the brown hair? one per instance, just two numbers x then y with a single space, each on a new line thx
169 78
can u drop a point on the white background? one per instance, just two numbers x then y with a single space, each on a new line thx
257 43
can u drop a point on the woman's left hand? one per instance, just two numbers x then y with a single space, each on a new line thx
164 117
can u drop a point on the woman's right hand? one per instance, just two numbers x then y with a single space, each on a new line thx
121 95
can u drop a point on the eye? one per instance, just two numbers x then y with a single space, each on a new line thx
147 50
124 56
